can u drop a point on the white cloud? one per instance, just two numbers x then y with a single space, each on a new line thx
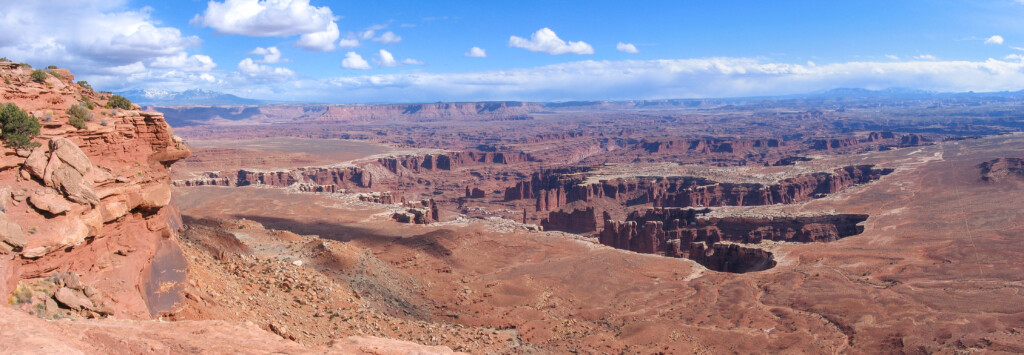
270 55
385 59
892 56
266 18
250 68
388 37
925 57
354 61
207 78
997 39
476 52
1016 57
626 47
182 61
545 40
410 61
370 31
105 42
322 41
350 42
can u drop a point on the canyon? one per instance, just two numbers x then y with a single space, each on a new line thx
810 225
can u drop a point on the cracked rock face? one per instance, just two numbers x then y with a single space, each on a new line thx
107 185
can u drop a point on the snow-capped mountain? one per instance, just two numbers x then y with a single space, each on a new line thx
160 97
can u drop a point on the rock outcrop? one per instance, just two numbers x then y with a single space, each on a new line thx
732 258
92 201
421 212
577 221
556 188
672 231
1002 169
650 231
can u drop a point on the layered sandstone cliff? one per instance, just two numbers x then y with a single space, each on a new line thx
94 201
685 233
553 189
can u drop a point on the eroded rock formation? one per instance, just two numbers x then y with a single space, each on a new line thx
556 188
420 212
1002 169
671 231
94 201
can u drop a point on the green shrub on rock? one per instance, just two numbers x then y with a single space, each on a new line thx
118 101
38 76
17 127
79 114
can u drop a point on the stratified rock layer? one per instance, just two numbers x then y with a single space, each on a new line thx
91 201
674 232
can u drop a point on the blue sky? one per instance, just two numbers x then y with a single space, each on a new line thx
330 51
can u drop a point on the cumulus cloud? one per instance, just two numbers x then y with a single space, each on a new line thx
349 42
270 55
476 52
354 61
388 37
322 41
626 47
545 40
98 40
185 62
997 39
266 18
250 68
273 18
385 59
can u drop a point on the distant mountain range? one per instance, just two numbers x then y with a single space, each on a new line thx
156 97
199 97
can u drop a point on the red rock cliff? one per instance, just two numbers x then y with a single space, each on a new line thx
93 201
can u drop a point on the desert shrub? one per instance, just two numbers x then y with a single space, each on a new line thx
55 74
104 122
25 65
4 59
17 127
21 295
118 101
85 85
88 103
38 76
79 114
51 67
7 81
77 122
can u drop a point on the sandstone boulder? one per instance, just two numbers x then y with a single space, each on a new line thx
35 165
5 198
71 182
49 203
11 232
70 154
75 300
